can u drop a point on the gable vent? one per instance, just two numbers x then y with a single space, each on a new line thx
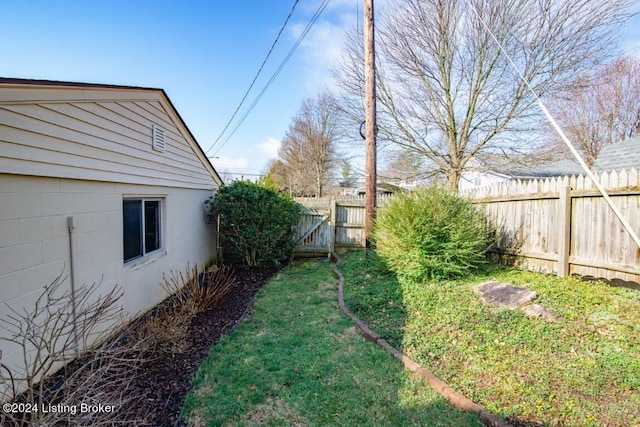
158 138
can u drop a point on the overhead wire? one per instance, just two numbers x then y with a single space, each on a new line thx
242 173
308 27
255 78
561 133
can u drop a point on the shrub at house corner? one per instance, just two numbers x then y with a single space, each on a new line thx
431 233
255 222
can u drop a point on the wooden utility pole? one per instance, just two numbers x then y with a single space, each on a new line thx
370 119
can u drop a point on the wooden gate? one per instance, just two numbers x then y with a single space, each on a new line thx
328 225
315 231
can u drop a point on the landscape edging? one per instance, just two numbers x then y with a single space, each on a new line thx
456 399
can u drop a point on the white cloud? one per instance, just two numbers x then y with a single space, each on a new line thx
322 46
234 164
270 147
248 167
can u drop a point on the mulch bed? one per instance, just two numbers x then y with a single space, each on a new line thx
166 381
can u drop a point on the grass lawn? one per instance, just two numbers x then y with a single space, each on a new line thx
581 370
298 361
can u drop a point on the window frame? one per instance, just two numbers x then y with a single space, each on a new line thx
143 228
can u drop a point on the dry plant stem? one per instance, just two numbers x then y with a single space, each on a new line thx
191 292
197 292
49 335
106 378
215 286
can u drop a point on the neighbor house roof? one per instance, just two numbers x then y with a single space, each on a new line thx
526 167
621 155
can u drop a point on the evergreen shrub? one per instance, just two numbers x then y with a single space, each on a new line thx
256 223
431 233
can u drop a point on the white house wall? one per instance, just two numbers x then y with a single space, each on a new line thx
34 240
103 135
474 179
73 150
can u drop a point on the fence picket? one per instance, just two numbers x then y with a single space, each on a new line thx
528 216
633 177
343 225
529 224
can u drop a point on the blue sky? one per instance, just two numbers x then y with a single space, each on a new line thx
204 54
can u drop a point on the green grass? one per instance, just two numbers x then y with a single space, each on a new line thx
581 370
298 361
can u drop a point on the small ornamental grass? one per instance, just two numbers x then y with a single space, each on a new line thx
191 292
431 233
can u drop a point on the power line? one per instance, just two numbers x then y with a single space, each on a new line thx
256 76
561 133
313 20
242 173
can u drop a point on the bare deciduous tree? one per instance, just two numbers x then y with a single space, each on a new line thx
600 108
404 166
308 151
446 89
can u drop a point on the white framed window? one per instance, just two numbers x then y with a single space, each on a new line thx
142 227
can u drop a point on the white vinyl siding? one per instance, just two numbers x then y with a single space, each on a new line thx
100 140
72 152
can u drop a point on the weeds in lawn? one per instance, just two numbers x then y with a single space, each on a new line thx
582 369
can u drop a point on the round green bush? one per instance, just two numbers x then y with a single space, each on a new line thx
430 233
256 223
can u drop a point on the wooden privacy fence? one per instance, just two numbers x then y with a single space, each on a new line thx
327 225
564 226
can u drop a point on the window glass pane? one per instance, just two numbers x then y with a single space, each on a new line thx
132 226
151 225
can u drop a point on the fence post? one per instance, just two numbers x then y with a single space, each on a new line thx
332 227
564 242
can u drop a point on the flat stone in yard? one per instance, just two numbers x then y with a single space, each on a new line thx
505 294
536 310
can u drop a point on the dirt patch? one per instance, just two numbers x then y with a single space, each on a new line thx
327 290
273 411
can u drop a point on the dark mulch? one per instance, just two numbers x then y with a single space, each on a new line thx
165 381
